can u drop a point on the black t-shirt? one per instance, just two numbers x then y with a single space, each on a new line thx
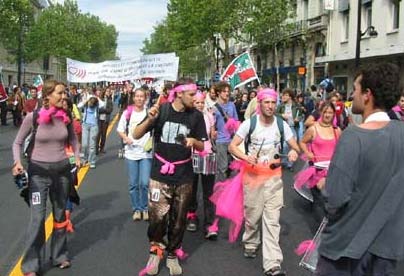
168 132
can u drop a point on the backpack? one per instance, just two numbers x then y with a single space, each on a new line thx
253 124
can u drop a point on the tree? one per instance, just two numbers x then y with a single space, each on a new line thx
63 31
16 19
268 24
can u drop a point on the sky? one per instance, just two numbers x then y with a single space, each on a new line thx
133 19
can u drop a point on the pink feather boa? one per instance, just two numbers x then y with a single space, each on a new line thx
45 115
305 246
232 125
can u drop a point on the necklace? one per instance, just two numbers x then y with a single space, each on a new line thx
323 125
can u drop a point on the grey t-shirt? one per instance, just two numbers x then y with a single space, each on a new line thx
365 194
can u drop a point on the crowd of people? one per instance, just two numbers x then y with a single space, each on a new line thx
186 136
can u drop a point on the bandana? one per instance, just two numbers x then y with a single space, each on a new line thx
181 88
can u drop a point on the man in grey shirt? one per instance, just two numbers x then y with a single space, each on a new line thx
364 192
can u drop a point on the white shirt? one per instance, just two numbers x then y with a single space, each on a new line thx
135 150
378 117
267 136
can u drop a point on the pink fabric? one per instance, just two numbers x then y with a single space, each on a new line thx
169 167
232 125
181 254
323 149
228 198
397 108
214 227
265 93
305 246
45 115
129 111
145 271
180 88
191 215
199 96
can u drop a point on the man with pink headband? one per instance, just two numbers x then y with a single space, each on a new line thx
178 128
263 188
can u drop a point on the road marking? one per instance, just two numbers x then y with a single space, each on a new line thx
49 221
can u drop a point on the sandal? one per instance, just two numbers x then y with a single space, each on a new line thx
64 264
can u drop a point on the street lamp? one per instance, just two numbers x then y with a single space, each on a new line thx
217 40
371 30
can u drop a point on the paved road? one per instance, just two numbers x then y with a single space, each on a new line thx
108 242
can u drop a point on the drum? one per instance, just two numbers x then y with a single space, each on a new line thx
310 257
204 164
322 165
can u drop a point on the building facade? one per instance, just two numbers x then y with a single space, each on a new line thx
383 16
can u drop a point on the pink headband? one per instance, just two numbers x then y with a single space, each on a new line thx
267 93
181 88
199 96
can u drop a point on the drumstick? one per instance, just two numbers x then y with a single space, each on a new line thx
260 148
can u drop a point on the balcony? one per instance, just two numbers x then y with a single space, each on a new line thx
317 23
298 28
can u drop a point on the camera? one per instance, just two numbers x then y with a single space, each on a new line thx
21 180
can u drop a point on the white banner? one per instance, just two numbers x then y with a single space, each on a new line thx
329 5
162 66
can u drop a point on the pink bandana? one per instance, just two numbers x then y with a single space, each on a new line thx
265 93
181 88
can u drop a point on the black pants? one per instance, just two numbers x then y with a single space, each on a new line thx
102 134
368 265
3 114
208 180
17 117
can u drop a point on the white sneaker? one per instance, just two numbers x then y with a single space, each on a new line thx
145 215
174 266
153 264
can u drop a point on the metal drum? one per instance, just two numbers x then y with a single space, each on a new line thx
310 257
204 164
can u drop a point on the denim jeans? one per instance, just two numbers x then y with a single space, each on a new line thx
139 177
89 142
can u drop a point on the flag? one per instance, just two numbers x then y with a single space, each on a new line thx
240 71
38 83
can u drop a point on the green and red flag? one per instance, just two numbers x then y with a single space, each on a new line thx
240 71
38 82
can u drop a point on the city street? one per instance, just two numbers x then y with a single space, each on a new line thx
107 242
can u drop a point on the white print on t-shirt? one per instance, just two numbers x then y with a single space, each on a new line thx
36 198
171 131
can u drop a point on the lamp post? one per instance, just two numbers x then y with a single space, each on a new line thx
359 34
217 40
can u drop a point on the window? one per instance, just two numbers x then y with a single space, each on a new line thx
305 9
395 4
368 15
345 25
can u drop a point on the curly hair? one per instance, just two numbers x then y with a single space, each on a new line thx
383 80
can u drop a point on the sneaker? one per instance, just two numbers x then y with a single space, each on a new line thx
250 253
145 215
275 271
153 264
137 216
92 166
211 233
174 266
192 222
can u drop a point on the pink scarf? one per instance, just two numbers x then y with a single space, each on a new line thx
45 115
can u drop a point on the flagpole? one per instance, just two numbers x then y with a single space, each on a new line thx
249 56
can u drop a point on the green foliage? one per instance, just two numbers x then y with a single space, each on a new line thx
16 19
63 31
191 26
